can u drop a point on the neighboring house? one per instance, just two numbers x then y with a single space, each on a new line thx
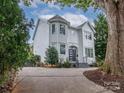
73 43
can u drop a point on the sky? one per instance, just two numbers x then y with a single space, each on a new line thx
75 16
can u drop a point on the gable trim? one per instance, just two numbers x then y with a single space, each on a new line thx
35 31
87 22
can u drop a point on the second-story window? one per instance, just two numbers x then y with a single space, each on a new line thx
88 35
62 29
53 28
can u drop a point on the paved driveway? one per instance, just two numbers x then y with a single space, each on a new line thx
55 80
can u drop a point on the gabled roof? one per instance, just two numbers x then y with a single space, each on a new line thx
87 22
58 18
71 27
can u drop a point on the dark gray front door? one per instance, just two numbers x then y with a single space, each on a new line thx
73 53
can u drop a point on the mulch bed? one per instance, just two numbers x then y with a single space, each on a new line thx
9 84
112 82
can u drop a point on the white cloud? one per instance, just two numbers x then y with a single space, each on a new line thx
41 12
47 17
34 5
50 4
45 11
74 19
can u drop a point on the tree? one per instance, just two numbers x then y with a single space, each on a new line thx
14 34
114 10
52 56
101 35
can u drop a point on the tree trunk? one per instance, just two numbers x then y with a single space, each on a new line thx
114 61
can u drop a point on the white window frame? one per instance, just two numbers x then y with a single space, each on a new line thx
62 51
62 29
88 35
53 31
89 52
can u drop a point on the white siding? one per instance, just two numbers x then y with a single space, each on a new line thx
41 40
73 40
59 38
80 49
88 43
73 37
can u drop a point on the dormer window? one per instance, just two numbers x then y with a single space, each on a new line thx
62 29
53 28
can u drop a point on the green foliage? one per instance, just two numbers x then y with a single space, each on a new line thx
66 64
52 56
101 35
37 58
3 78
14 34
83 4
33 61
63 64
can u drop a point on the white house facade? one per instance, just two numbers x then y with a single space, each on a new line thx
73 43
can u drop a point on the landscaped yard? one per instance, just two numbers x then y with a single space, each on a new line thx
63 34
112 82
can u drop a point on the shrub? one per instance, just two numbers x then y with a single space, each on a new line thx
37 60
51 56
66 64
33 61
60 63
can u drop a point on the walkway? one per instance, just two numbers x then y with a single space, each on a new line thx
56 80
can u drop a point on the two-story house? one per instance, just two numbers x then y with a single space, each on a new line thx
73 43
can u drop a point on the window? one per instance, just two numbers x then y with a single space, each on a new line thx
62 29
53 28
88 35
62 48
89 52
